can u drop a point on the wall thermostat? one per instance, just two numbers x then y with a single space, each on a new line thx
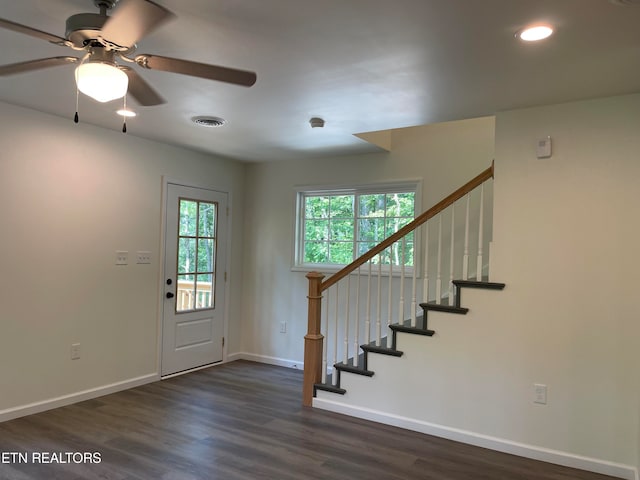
543 147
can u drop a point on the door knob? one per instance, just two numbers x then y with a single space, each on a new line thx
170 295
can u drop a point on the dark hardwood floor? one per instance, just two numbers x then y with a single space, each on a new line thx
242 421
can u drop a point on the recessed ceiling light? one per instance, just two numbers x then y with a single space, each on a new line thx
126 113
535 33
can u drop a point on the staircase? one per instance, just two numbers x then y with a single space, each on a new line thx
420 328
392 288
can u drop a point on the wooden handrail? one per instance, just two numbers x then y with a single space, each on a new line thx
432 212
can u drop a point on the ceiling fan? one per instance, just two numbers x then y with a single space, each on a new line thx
107 40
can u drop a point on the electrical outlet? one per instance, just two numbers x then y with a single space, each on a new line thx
122 257
540 394
75 351
143 257
283 327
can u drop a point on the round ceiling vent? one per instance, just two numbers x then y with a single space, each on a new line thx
211 122
625 3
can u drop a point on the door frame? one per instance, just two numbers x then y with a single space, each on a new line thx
166 181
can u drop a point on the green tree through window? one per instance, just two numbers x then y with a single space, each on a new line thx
196 255
337 228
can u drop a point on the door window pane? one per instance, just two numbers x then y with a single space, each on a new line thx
196 255
185 299
206 255
188 215
204 287
207 220
186 255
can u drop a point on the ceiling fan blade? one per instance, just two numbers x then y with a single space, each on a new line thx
195 69
132 20
49 37
36 65
139 89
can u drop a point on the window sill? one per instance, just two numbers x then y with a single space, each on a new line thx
408 271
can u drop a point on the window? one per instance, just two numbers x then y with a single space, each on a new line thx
196 255
334 227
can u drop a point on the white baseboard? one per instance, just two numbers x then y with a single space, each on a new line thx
557 457
37 407
252 357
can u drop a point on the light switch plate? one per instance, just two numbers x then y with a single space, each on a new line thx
122 257
540 394
143 257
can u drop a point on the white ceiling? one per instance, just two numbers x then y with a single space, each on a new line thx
362 65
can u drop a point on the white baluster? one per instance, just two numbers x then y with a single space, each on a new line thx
368 318
439 269
378 312
465 257
325 332
390 299
334 376
480 235
425 285
402 272
345 355
414 300
356 340
451 258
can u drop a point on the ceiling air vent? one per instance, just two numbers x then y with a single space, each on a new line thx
211 122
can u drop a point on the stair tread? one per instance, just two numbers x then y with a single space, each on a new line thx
479 284
414 330
418 329
382 348
440 307
350 367
328 386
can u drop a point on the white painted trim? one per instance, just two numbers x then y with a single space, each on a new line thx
37 407
252 357
557 457
227 286
162 273
191 370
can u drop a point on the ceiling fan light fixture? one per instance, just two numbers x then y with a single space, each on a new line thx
101 81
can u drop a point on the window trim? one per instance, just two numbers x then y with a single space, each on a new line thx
297 265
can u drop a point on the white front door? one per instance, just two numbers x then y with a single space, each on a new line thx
194 283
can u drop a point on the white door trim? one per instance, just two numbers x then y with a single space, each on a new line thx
161 286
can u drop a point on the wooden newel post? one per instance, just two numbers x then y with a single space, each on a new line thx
313 339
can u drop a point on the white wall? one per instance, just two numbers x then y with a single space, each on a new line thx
445 156
566 236
71 196
566 233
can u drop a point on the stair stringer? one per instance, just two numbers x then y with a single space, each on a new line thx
437 376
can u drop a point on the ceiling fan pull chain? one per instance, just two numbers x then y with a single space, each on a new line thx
124 121
76 118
